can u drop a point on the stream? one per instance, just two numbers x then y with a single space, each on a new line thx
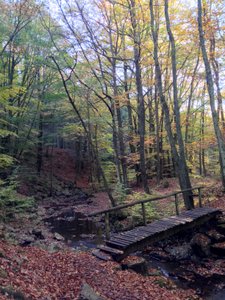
84 234
176 272
79 231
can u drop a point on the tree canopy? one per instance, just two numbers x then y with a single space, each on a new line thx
134 88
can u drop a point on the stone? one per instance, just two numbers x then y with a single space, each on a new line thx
10 293
221 220
139 266
51 211
2 234
54 247
25 240
58 193
218 249
40 244
3 273
87 293
85 236
221 228
58 237
67 193
165 184
215 236
180 252
67 213
2 227
39 196
70 219
38 234
2 254
200 244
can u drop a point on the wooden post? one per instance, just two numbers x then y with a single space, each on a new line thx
200 197
143 213
107 226
176 204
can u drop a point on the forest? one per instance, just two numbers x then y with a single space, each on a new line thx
107 104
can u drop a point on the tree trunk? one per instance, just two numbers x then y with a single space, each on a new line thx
64 82
215 67
180 163
140 96
40 144
210 86
186 138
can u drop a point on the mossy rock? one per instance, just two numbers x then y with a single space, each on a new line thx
9 291
3 273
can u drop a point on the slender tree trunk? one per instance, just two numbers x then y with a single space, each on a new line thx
185 180
189 104
40 143
129 109
158 139
140 96
215 67
64 82
116 145
40 128
122 154
210 86
180 164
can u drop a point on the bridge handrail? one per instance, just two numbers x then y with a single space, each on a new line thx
119 207
142 202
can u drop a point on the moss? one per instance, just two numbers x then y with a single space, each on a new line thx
161 282
12 293
3 273
2 254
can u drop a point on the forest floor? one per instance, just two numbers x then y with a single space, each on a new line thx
35 263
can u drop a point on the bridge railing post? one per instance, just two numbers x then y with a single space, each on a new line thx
107 226
176 204
200 197
143 213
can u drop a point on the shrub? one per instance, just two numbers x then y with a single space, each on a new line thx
10 201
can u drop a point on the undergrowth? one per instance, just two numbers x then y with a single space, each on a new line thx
150 210
10 201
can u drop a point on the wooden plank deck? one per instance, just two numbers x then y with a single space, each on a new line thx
122 244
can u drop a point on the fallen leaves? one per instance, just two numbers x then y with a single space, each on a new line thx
60 275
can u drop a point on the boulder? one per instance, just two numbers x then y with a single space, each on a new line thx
26 240
180 252
51 210
38 233
87 293
58 237
3 273
58 193
215 236
221 220
200 244
54 247
67 213
67 193
138 265
221 228
80 195
2 234
218 249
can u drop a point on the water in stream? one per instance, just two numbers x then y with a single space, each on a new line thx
83 234
176 272
78 231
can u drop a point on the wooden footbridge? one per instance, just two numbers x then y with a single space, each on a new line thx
120 245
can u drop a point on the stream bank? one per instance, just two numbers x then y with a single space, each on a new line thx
191 260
